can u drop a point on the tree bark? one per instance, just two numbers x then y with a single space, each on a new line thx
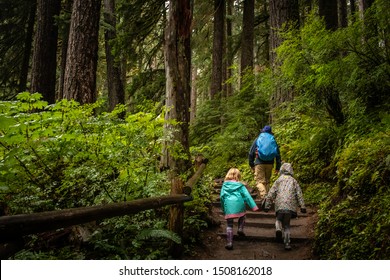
229 48
343 15
27 48
247 37
177 54
194 94
43 73
284 14
116 93
82 54
218 49
64 47
266 52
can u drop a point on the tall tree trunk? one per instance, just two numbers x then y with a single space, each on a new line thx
229 48
218 48
27 47
64 47
116 93
247 38
331 97
267 37
283 13
43 73
194 94
328 10
224 54
343 15
82 54
177 67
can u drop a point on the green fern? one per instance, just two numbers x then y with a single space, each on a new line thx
158 233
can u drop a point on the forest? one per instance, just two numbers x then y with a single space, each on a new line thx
111 101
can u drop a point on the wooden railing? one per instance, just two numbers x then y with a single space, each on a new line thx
16 226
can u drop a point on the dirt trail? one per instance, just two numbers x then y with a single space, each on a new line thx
259 242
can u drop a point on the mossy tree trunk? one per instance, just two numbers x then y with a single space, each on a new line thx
116 92
176 156
218 49
284 14
246 63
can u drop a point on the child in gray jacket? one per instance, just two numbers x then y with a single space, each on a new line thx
287 196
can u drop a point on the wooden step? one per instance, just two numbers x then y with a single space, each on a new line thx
261 226
297 235
271 212
251 214
267 223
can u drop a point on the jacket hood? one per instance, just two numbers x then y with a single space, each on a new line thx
287 169
231 185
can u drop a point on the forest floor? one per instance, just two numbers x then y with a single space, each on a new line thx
259 242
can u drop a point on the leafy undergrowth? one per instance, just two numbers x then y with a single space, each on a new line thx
66 155
355 220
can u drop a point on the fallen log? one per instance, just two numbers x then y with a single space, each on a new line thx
15 226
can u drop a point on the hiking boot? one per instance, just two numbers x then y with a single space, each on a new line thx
278 233
229 246
287 240
241 233
229 238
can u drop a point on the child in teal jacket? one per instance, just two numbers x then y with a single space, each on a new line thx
234 196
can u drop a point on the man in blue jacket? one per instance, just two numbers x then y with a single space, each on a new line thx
261 162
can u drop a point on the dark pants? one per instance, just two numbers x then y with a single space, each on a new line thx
283 218
241 222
